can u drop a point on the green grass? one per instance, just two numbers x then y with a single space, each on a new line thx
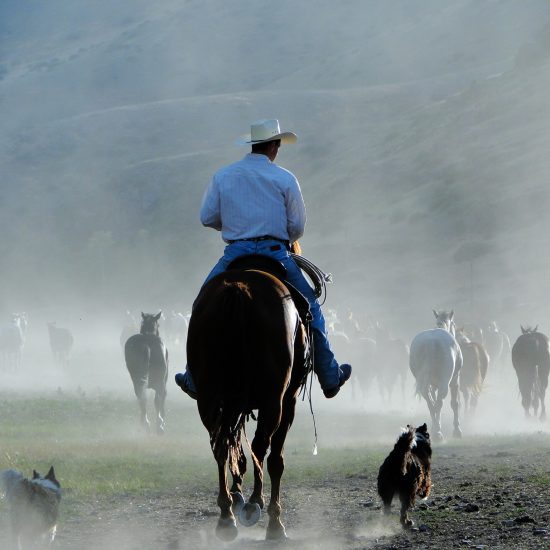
97 446
99 450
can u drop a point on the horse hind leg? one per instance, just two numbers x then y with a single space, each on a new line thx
427 394
141 395
238 469
160 399
542 386
275 468
455 406
226 529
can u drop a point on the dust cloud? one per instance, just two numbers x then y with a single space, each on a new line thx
422 157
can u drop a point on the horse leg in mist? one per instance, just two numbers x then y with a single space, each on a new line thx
158 375
403 387
160 399
427 394
466 397
526 381
138 356
543 384
455 405
141 394
438 405
226 529
275 468
268 419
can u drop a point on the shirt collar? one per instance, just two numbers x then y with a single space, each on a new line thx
257 157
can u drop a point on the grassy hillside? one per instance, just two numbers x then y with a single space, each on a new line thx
422 139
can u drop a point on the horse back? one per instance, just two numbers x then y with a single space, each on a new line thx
531 349
435 350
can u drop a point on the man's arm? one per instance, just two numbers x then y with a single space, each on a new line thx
210 208
295 211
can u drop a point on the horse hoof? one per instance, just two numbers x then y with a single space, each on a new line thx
276 534
160 430
439 437
226 530
457 433
250 514
238 503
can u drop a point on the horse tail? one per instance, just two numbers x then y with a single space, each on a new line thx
233 363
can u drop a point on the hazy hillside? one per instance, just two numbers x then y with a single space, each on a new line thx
422 154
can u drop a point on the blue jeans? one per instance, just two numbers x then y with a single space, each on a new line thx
326 367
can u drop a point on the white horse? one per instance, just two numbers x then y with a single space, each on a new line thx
435 361
12 339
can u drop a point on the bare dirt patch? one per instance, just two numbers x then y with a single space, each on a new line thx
488 493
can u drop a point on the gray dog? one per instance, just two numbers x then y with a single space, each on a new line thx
33 507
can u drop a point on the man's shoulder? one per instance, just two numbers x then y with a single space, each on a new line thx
285 172
228 168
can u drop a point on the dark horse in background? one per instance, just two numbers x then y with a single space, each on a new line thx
61 343
246 348
147 362
531 360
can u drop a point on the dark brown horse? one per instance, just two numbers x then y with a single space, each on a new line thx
531 360
246 349
147 362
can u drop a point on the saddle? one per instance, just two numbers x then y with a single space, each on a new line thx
277 269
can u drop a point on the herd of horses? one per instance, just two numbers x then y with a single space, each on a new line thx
248 352
13 336
443 360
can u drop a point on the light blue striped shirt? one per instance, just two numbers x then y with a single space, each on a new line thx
252 198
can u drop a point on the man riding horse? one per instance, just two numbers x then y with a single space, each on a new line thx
259 209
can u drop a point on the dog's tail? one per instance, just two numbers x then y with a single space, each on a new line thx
8 480
403 445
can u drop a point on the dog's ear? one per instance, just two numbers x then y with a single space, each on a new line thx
422 429
51 475
35 474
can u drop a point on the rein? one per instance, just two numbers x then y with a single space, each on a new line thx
304 389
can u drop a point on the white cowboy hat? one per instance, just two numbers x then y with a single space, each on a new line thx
267 130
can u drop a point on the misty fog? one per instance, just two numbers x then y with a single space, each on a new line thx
422 131
422 156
